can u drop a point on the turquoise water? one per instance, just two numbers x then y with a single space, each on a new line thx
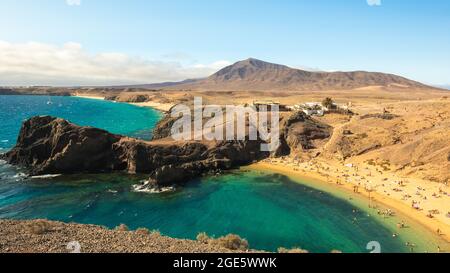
117 118
269 210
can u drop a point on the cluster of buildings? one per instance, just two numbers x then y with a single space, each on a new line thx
268 104
318 109
309 108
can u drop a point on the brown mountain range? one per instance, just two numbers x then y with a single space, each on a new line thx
257 75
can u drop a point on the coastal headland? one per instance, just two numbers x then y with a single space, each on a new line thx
393 148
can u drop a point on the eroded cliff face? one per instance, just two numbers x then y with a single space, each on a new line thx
300 133
48 145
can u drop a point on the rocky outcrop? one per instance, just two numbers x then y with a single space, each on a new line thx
298 133
48 145
224 156
138 98
8 91
163 128
35 91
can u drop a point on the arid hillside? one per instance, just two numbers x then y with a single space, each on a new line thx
411 138
256 75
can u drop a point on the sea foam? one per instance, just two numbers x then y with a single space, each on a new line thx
20 175
146 188
155 190
45 176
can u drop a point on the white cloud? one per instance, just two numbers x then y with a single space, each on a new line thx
374 2
73 2
67 65
215 65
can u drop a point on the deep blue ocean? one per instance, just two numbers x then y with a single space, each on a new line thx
269 210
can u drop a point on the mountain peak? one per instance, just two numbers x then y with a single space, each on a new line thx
257 63
246 68
256 75
252 61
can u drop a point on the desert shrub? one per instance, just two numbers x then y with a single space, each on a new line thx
328 103
363 136
292 250
39 227
122 227
142 231
232 242
203 238
371 162
385 116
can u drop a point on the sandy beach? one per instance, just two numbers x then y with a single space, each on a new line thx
432 201
163 107
89 97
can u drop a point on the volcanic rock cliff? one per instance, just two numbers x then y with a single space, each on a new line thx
49 145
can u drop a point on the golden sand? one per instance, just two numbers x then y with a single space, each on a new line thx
89 97
381 187
164 107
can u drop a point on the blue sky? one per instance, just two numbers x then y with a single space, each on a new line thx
174 39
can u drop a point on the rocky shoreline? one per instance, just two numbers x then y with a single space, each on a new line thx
49 145
42 236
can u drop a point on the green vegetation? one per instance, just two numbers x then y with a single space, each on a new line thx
328 103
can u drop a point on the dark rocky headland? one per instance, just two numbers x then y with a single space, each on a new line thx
49 145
